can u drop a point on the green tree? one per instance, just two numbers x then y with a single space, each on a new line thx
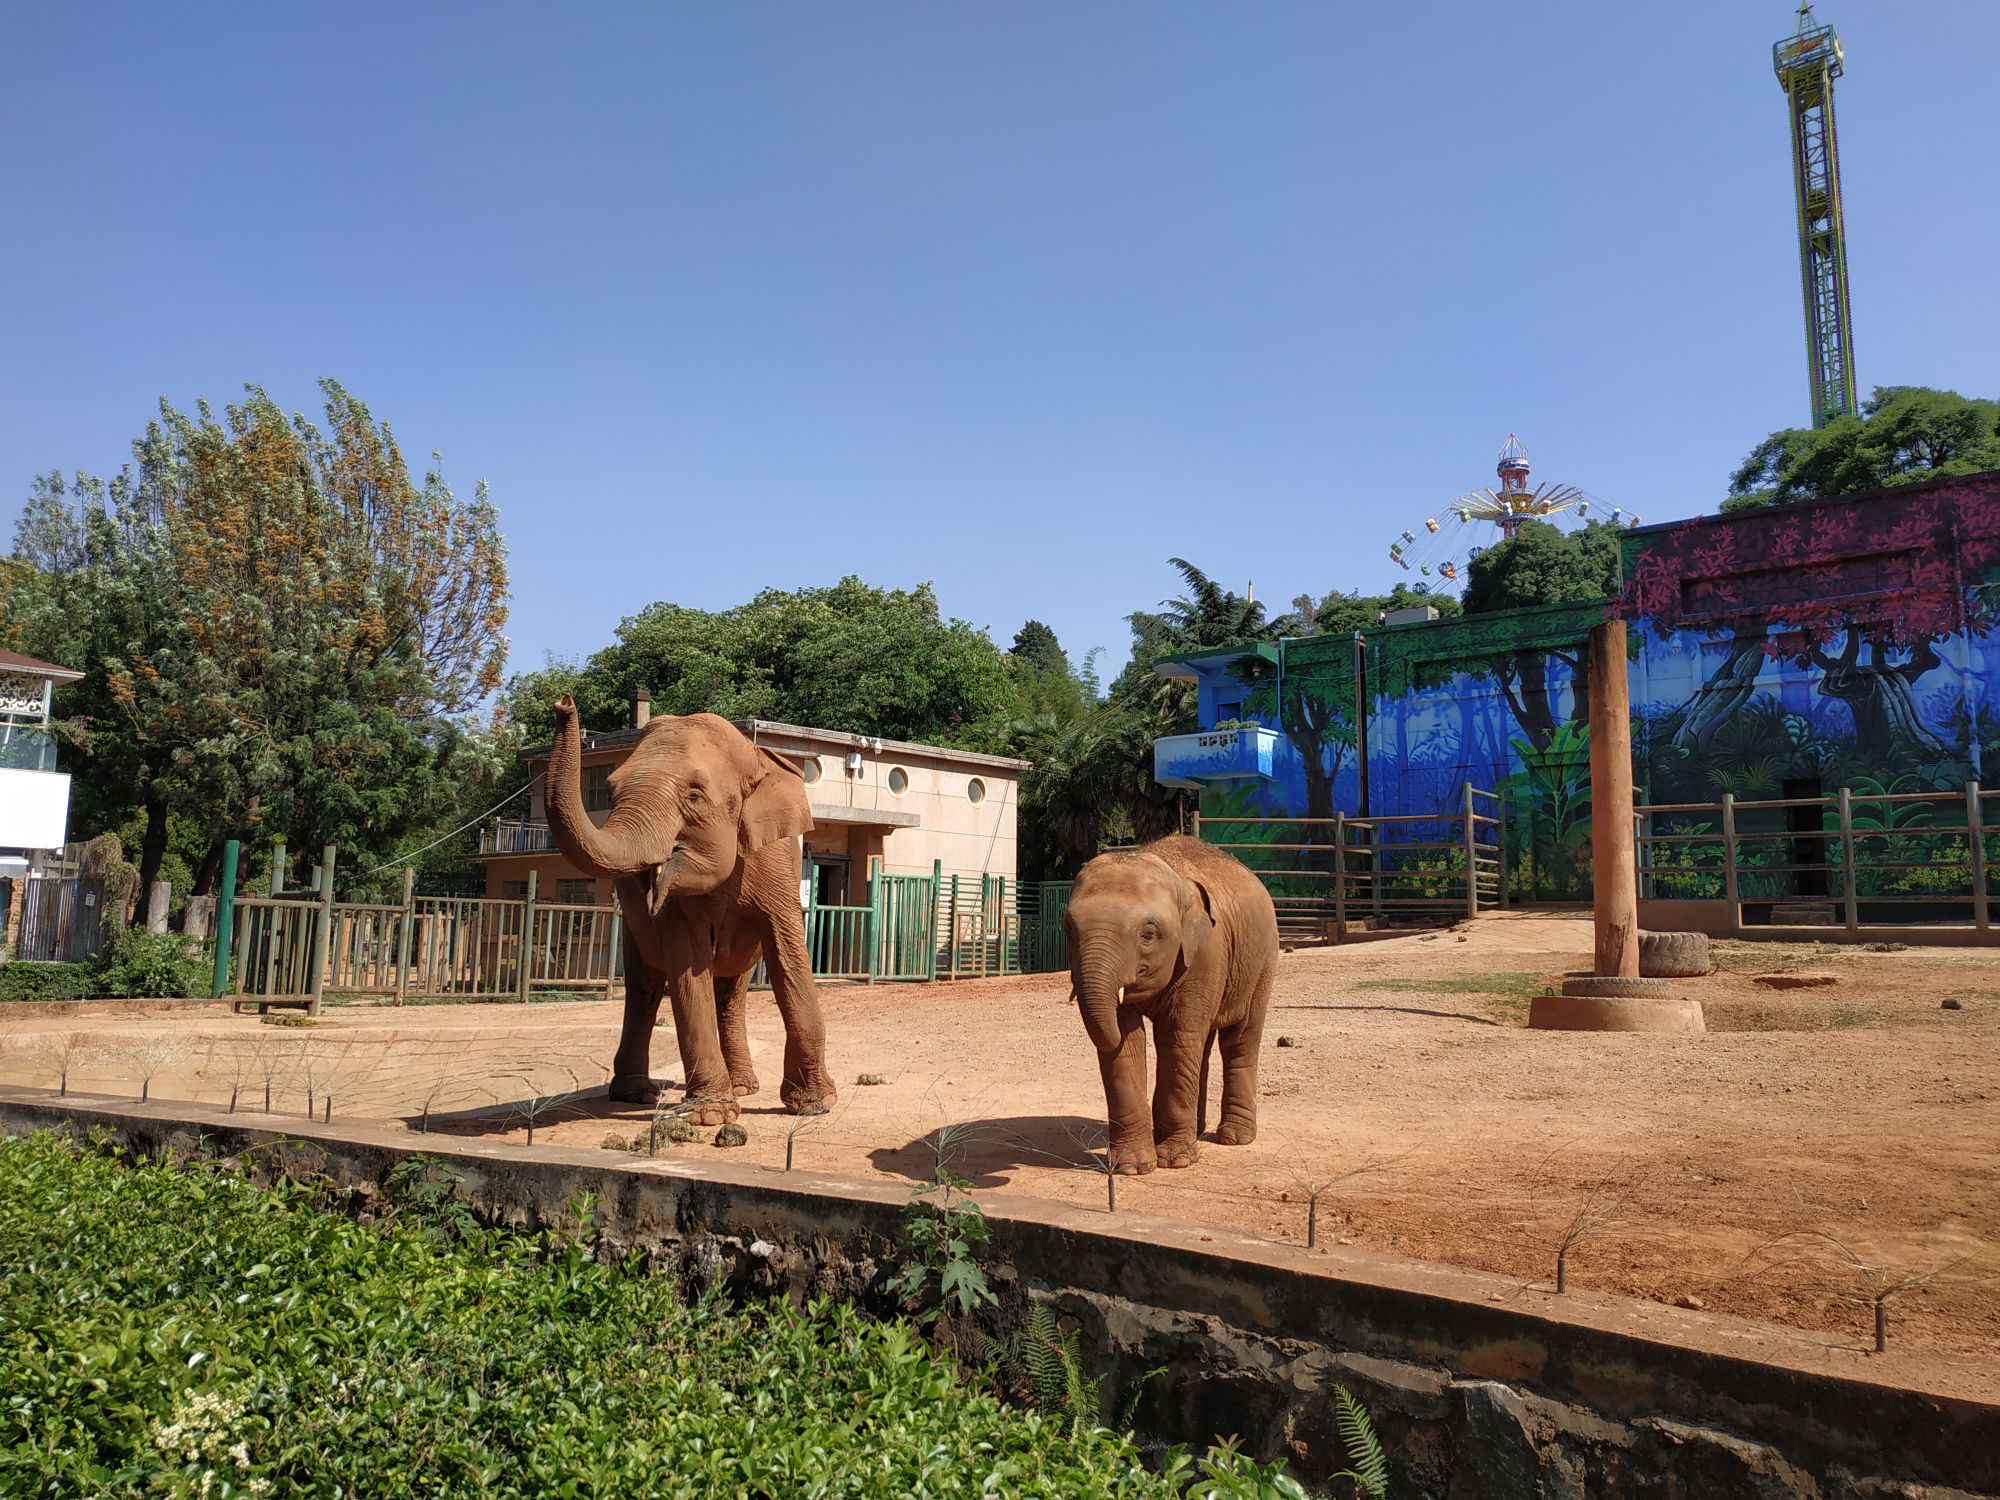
848 657
1903 434
1035 645
1542 564
1343 614
272 621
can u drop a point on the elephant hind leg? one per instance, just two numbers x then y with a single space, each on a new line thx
732 1008
1201 1095
1240 1046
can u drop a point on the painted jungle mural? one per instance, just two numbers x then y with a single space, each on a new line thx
1776 653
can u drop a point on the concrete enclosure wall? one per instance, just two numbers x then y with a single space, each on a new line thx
1477 1398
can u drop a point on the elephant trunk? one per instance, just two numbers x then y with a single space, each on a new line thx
1100 985
630 841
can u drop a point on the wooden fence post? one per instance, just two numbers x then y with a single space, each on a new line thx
1851 906
225 915
951 929
1340 877
931 932
1975 838
1500 847
1730 890
1471 857
278 868
405 930
323 929
527 938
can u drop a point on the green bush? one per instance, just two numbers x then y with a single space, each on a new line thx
26 981
179 1331
155 965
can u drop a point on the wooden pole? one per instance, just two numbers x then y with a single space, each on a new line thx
405 925
1471 857
1340 877
1731 890
323 930
1850 904
1975 840
527 938
1614 872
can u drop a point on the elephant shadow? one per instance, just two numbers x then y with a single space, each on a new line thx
988 1152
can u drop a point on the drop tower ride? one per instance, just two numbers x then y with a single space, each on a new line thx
1807 62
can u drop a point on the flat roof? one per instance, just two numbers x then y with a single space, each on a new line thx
763 731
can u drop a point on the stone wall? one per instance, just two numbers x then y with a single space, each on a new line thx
1479 1394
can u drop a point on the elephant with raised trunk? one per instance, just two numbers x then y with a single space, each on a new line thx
703 845
1178 933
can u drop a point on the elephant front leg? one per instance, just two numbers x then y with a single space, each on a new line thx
1177 1092
631 1069
1130 1148
1241 1045
807 1087
732 1007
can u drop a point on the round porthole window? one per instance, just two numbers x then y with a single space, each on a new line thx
811 770
899 780
975 791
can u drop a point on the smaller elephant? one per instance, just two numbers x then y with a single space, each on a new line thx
1178 933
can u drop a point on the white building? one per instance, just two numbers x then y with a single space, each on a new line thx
34 795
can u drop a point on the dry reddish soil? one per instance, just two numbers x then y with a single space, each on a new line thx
1818 1141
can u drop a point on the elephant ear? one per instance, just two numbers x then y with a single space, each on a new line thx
1197 920
775 807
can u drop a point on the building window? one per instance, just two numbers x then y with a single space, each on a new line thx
812 770
975 791
513 890
576 892
899 780
597 788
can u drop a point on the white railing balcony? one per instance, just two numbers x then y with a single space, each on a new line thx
1191 760
517 837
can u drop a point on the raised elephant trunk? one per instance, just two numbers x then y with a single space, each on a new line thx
637 837
1100 973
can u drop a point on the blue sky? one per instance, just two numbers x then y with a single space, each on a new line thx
1019 299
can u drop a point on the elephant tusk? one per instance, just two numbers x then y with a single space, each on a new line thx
1121 994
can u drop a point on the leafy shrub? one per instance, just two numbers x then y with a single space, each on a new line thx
156 965
946 1231
28 981
179 1331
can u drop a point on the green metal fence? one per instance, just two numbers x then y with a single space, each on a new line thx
293 947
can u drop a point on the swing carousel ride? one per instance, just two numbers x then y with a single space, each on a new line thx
1445 546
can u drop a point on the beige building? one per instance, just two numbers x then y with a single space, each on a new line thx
915 808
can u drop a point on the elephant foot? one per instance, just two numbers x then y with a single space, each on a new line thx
808 1098
1133 1166
635 1088
743 1084
1232 1134
1180 1151
706 1110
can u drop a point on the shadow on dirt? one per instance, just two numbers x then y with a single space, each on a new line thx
987 1152
1401 1010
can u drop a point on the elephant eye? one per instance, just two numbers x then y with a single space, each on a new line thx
694 794
1149 932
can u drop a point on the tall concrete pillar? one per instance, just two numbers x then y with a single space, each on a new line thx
1614 867
1612 997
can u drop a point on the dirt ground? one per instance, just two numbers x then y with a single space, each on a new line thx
1818 1143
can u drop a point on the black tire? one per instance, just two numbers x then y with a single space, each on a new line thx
1596 987
1674 955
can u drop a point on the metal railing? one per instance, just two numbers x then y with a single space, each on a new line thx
1326 875
1858 859
517 837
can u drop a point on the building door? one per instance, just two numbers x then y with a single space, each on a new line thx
1808 849
829 880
